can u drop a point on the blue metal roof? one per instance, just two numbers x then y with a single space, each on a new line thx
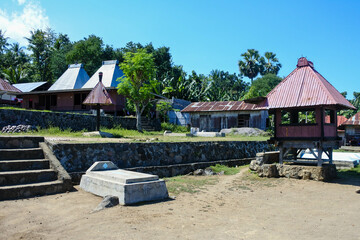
111 72
73 78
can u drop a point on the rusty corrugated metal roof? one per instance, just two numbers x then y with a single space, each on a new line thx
354 120
219 106
7 87
304 87
340 119
98 95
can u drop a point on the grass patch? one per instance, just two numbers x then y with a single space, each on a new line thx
189 184
349 173
174 128
227 170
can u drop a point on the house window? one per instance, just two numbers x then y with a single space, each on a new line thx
295 117
53 100
307 117
243 120
285 117
329 116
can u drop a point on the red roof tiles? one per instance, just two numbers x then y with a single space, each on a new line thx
5 86
304 87
354 120
219 106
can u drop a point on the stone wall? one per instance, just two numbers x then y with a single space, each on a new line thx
77 157
62 120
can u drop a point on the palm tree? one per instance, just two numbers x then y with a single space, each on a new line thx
271 64
251 65
14 74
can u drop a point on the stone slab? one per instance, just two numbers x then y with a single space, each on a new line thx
130 187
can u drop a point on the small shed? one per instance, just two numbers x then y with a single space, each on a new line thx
304 106
214 116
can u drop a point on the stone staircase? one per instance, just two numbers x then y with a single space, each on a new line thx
28 168
146 126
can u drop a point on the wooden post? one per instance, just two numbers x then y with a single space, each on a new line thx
320 151
281 154
98 117
330 155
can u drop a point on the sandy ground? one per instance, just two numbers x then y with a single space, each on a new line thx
236 207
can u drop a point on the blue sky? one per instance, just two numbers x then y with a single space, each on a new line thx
206 35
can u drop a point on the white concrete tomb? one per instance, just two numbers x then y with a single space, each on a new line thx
105 178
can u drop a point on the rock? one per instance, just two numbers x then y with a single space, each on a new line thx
245 131
208 172
198 172
107 202
221 173
254 165
18 128
98 133
268 170
306 175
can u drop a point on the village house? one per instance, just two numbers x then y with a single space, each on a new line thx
73 86
351 127
214 116
8 93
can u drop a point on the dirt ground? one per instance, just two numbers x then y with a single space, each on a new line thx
236 207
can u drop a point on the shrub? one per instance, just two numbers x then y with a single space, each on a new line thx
174 128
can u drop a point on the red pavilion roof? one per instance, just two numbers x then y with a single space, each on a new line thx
304 87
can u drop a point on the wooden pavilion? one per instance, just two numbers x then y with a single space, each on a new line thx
304 106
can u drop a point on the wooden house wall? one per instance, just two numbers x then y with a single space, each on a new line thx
65 102
215 121
306 130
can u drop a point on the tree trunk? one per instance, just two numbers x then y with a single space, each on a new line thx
138 119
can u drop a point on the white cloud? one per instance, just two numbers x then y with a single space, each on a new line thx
21 2
17 25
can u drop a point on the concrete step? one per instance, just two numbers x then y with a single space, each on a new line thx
22 153
28 176
31 190
29 164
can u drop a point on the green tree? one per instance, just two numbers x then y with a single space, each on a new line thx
15 74
251 64
270 64
262 86
226 86
163 107
138 83
61 47
88 51
40 45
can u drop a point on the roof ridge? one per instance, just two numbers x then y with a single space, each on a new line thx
301 88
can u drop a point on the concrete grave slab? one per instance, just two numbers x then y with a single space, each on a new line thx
105 178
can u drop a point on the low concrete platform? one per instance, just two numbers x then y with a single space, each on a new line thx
105 178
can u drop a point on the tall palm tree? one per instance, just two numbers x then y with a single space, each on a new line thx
251 65
270 64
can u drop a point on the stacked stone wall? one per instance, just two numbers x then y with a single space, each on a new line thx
62 120
77 157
